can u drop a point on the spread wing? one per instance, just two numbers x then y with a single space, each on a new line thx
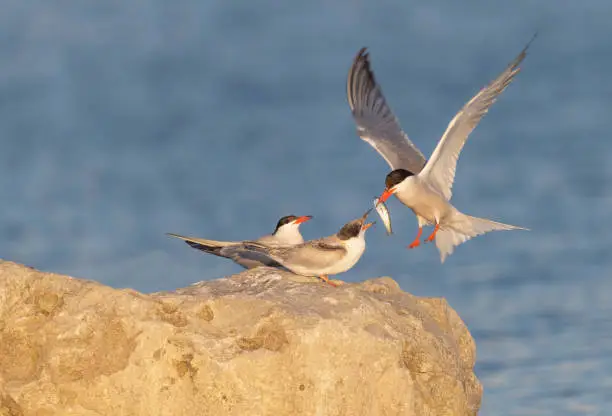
440 169
376 123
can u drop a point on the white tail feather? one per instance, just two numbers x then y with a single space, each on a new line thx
463 227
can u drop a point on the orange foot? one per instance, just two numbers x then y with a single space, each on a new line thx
433 234
416 241
326 280
414 244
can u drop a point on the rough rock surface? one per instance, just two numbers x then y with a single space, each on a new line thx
262 342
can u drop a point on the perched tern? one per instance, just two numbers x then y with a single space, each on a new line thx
322 257
286 233
424 186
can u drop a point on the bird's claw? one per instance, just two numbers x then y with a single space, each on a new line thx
414 244
432 236
334 283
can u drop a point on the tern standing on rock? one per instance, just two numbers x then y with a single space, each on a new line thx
424 186
322 257
286 233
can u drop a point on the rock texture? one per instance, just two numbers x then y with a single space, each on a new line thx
262 342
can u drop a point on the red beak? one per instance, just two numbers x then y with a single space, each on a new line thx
366 226
385 195
300 220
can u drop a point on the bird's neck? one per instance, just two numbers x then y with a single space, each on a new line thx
289 234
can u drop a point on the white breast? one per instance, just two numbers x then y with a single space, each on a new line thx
423 199
354 250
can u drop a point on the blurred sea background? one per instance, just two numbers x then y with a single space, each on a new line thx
120 121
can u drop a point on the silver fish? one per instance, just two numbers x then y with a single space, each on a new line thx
383 213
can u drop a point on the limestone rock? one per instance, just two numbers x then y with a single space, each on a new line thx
262 342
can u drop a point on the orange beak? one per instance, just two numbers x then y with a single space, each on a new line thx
366 226
385 195
300 220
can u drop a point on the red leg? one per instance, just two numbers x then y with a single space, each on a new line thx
326 280
433 234
416 241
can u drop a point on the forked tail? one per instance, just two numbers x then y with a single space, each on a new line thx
463 227
207 246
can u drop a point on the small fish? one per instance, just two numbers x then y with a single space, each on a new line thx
383 213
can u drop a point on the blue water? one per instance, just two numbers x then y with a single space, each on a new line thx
121 121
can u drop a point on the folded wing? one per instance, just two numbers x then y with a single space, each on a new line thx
311 255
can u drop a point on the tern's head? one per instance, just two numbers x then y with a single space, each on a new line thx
392 182
290 222
355 228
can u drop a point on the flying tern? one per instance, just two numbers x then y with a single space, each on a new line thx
424 186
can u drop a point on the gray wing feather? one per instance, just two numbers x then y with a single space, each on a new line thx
249 250
376 123
440 169
314 254
203 241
